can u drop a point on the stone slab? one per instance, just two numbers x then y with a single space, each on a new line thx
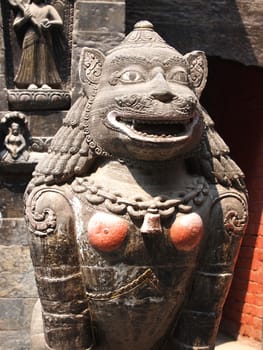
11 200
13 231
101 16
15 314
15 258
98 24
16 273
14 340
45 123
18 285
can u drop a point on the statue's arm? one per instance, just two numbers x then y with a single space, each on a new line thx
19 20
6 143
22 144
55 19
57 270
200 319
22 17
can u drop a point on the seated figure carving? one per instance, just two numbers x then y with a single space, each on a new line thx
14 139
137 213
15 142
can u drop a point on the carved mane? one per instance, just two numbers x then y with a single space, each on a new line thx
72 153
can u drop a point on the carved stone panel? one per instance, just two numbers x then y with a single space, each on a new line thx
37 38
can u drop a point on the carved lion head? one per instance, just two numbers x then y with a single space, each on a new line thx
145 104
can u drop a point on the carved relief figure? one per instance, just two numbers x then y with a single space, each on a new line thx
15 142
137 214
14 145
36 23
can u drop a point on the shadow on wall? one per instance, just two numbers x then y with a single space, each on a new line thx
215 27
233 97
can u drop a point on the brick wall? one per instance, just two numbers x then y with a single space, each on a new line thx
244 308
233 98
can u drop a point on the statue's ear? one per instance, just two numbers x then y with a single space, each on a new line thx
197 69
90 68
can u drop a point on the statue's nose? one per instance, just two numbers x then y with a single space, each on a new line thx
160 88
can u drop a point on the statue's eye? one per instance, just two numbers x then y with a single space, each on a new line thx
178 76
132 76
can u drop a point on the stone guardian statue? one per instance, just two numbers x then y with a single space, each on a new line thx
137 213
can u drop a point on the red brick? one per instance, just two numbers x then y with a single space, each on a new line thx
250 331
248 297
255 288
252 298
258 254
256 264
246 319
253 310
259 242
257 322
260 229
256 276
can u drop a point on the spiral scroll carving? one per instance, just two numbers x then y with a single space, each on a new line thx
42 223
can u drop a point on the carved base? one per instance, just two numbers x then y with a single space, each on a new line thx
39 99
22 166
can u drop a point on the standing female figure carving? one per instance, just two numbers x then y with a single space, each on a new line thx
37 68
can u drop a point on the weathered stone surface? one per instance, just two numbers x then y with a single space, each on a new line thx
16 277
18 285
11 199
15 340
15 313
45 123
100 16
13 231
98 24
3 97
3 100
15 258
230 29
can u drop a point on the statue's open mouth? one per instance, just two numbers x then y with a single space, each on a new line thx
152 130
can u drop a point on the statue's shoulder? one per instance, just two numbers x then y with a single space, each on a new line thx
46 207
230 206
